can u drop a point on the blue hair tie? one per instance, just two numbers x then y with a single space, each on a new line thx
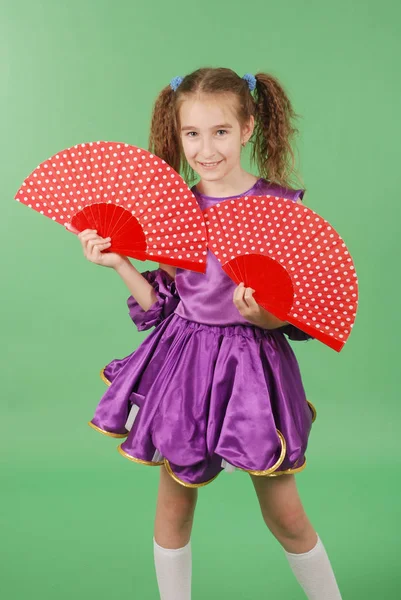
251 81
176 82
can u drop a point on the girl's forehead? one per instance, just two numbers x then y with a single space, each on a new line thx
208 111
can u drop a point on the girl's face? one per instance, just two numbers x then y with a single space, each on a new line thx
211 136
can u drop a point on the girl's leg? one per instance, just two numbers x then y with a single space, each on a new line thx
172 546
284 515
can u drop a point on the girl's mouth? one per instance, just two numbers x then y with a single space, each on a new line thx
210 165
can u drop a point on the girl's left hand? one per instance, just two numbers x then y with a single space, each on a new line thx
246 304
248 307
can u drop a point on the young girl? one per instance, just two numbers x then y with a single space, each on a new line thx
216 385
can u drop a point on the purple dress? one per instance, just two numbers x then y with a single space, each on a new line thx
207 390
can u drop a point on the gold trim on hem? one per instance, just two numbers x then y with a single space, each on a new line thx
314 411
139 460
272 472
181 482
109 433
104 378
278 463
169 470
289 471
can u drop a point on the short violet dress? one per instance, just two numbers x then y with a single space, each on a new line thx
207 391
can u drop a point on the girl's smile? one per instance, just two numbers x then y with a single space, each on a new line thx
210 165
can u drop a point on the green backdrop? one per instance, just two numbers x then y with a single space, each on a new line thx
76 517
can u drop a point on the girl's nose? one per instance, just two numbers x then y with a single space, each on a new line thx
208 150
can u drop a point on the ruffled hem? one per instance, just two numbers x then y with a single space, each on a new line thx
166 463
276 473
108 433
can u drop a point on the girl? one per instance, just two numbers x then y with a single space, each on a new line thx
216 385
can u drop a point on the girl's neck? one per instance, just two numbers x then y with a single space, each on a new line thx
233 185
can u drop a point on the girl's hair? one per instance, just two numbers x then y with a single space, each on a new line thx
271 107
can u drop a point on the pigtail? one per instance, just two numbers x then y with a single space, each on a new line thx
272 150
163 139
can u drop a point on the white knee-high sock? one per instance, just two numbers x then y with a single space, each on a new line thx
173 571
314 573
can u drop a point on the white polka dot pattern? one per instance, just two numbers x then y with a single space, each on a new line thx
320 268
91 174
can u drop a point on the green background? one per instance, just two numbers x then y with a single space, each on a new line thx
76 517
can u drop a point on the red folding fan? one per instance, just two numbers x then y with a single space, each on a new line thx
125 193
295 261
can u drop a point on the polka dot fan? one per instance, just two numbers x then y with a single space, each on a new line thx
125 193
295 261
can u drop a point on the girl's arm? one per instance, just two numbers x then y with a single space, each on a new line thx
140 289
170 270
153 293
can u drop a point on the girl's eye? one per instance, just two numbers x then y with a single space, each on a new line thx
191 133
222 131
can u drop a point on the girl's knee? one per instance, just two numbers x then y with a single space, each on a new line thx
292 525
281 507
174 519
178 509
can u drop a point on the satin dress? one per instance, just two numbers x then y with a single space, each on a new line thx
207 391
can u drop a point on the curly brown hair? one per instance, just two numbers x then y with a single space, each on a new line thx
270 106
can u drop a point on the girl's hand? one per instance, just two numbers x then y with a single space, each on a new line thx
93 246
248 307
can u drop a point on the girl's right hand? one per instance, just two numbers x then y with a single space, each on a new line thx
93 246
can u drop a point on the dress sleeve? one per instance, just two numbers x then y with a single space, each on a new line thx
299 194
167 300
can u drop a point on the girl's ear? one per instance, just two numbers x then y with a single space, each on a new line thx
247 130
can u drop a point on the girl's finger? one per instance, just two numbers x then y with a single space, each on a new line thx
89 236
248 293
250 300
97 241
103 246
96 254
85 232
89 240
246 297
239 293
